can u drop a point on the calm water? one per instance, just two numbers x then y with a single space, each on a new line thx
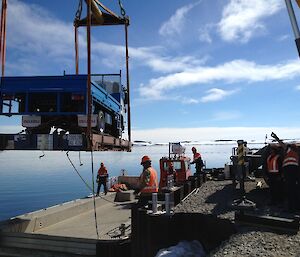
29 183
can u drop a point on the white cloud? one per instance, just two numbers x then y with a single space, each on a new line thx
31 28
212 95
204 33
35 39
216 94
44 39
176 22
152 57
283 37
297 88
242 19
230 72
213 133
186 100
226 115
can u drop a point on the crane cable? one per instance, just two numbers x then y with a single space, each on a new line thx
88 186
77 18
91 188
93 184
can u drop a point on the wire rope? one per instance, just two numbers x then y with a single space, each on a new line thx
87 185
93 183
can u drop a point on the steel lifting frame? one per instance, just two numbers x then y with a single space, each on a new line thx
95 17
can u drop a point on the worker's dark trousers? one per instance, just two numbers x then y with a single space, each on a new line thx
102 181
240 176
201 175
292 178
144 199
276 190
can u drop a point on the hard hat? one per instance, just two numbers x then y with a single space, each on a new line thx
145 158
241 141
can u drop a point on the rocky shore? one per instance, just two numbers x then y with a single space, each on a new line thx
215 197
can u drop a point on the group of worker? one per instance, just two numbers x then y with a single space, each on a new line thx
282 170
148 177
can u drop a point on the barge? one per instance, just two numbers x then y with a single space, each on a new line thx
116 223
124 228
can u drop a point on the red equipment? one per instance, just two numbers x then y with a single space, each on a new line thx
176 166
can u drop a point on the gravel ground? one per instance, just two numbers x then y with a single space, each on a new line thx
214 197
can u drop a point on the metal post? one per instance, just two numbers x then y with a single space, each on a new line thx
294 23
128 84
167 203
76 50
154 202
88 30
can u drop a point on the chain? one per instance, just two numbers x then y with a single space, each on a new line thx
123 12
79 11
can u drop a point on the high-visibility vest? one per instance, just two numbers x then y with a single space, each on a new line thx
102 172
291 158
272 162
241 154
197 156
152 184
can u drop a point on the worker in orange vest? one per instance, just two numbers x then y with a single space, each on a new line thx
291 174
148 181
102 178
197 160
273 170
148 178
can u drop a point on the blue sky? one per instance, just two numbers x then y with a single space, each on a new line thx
198 69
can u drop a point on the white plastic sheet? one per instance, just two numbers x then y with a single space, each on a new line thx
183 249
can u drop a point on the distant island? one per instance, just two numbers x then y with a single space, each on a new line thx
141 143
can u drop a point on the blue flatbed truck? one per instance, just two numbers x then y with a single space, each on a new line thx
54 112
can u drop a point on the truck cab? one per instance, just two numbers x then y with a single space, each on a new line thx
174 169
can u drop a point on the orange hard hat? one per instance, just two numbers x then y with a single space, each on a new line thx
145 158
